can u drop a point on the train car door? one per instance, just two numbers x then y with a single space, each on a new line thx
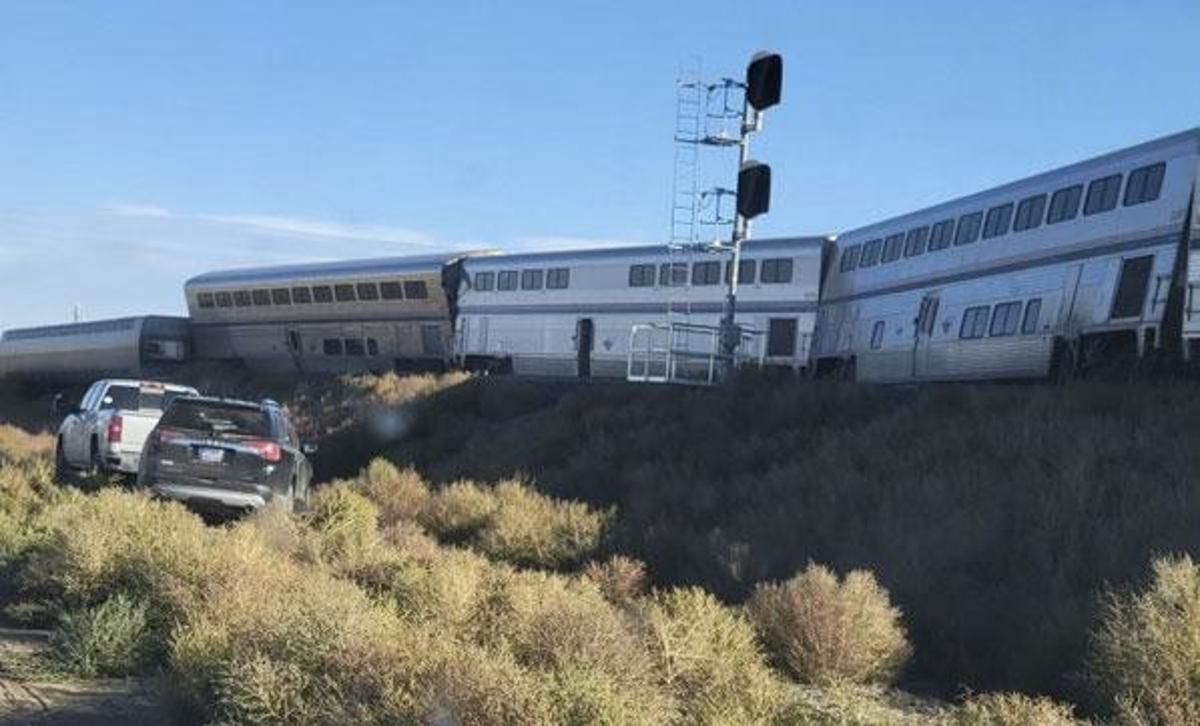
295 348
923 330
585 334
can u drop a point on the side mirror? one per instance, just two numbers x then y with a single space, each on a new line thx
753 189
309 448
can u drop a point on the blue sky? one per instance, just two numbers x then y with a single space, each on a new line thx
143 142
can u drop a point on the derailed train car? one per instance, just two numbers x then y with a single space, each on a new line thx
149 346
1086 269
359 315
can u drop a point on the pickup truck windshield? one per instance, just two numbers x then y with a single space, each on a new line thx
132 398
216 418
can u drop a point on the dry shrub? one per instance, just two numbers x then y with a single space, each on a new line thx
289 642
279 528
1013 709
458 511
708 658
531 529
621 579
111 639
119 543
395 389
1145 652
343 523
826 631
476 687
848 703
400 495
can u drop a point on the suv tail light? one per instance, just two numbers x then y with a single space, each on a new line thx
115 428
268 450
167 436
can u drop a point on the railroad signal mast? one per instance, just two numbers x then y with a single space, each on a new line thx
764 82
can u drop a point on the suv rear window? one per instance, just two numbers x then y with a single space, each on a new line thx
218 418
131 398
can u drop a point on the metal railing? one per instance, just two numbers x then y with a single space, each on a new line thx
685 353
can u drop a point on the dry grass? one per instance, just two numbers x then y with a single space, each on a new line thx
18 445
829 631
1145 654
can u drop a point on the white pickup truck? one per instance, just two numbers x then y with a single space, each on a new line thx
106 431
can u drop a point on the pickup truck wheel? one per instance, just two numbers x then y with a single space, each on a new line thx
95 463
61 469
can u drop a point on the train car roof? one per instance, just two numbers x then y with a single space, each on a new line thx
88 327
337 268
633 252
1046 177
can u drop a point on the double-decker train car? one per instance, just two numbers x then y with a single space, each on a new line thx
573 313
360 315
1076 269
149 346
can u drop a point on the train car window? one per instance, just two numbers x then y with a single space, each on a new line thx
484 281
1145 184
532 279
1033 311
242 298
877 335
673 274
558 278
322 294
777 270
914 243
224 300
261 297
507 280
870 255
1132 286
1102 194
941 235
892 247
415 290
1064 204
641 275
849 259
301 295
746 270
332 346
281 296
968 228
367 291
354 347
1029 213
1005 317
974 322
998 219
205 300
706 273
391 290
372 347
344 292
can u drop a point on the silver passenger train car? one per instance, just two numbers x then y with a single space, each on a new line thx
149 346
572 313
1076 269
361 315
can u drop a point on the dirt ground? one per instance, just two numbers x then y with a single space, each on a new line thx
27 697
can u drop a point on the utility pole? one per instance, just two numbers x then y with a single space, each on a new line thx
764 80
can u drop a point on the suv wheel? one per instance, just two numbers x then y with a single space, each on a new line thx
61 469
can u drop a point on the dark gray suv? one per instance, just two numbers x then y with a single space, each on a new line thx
216 453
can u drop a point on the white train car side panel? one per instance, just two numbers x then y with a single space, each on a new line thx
135 347
534 311
1077 263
